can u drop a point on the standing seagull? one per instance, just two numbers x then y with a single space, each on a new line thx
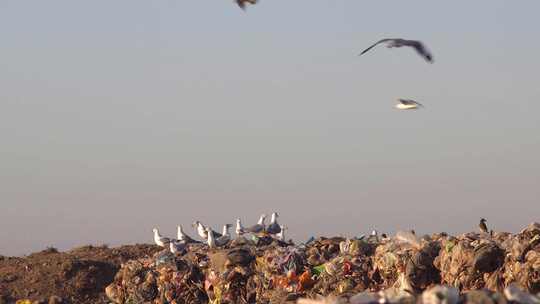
182 236
374 235
225 231
398 42
160 240
226 237
213 242
239 229
259 227
242 3
202 230
281 235
483 226
408 104
274 227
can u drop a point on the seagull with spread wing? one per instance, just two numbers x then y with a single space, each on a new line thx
398 42
408 104
242 3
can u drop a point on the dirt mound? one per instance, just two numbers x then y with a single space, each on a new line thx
77 276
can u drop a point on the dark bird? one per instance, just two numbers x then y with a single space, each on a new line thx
242 3
482 226
408 104
397 42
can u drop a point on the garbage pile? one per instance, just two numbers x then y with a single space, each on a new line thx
438 294
258 267
164 278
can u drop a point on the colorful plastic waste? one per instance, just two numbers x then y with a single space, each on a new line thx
472 268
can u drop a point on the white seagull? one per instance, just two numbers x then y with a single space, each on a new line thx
182 236
259 227
226 237
160 240
201 230
225 231
398 42
242 3
239 229
408 104
213 242
281 235
274 227
374 235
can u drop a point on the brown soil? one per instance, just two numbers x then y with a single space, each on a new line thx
77 276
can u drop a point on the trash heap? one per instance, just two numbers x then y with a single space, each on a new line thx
405 268
438 294
164 278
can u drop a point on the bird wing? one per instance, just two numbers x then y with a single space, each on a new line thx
222 240
254 228
407 101
410 102
375 44
420 49
188 239
418 104
241 4
274 229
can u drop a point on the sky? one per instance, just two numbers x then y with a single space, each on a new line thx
118 116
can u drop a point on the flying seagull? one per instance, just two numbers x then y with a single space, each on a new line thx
160 240
408 104
242 3
274 227
397 42
483 226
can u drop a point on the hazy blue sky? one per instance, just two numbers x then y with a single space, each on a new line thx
116 116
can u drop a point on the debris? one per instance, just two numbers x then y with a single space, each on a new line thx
440 295
406 268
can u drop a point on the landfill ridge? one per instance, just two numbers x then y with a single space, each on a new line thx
496 267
